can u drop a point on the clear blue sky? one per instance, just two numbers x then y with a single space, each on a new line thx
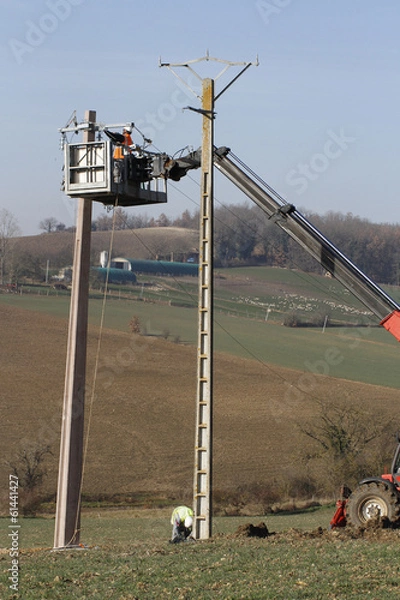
318 119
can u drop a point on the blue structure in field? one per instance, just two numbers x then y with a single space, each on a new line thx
117 276
161 267
123 270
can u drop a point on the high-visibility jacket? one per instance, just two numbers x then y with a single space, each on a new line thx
118 153
128 139
180 513
121 151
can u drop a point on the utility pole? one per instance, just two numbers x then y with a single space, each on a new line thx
203 463
88 177
67 524
202 485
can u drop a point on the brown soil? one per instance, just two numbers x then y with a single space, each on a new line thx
142 414
250 530
379 530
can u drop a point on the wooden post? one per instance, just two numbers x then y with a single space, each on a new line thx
67 524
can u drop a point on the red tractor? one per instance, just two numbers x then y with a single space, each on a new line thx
373 498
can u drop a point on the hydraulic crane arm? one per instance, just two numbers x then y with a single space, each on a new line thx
311 239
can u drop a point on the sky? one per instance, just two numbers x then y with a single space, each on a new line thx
318 118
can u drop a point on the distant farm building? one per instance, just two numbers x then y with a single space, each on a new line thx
123 271
155 267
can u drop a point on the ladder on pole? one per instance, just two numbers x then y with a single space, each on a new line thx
202 491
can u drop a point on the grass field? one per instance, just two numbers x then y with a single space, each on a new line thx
127 557
365 353
267 379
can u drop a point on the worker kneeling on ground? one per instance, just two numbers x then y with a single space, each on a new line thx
182 523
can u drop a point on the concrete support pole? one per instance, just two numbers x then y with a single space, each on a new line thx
203 444
67 524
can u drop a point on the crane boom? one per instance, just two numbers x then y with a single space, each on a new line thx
311 239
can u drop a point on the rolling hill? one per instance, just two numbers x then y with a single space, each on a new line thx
141 428
141 415
139 243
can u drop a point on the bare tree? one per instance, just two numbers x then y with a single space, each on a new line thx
163 221
28 466
118 219
48 225
103 222
187 220
344 436
9 229
134 325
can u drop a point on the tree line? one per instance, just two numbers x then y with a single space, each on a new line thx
243 235
120 219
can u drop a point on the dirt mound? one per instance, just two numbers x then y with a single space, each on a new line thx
249 530
381 530
378 531
380 523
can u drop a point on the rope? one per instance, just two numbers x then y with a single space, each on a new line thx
96 368
249 352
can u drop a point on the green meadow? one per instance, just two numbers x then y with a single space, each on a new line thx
127 556
250 306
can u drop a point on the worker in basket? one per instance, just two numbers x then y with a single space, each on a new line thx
182 523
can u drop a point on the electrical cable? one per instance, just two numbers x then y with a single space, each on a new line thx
307 278
250 353
182 287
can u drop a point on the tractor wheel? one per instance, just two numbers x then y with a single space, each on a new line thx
372 501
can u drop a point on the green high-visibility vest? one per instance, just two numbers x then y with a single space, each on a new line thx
180 513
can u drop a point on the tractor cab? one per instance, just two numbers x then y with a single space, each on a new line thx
394 475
